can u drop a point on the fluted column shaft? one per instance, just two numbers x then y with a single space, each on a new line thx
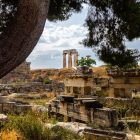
69 60
64 60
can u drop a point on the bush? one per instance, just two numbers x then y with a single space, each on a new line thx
59 133
87 61
29 126
47 81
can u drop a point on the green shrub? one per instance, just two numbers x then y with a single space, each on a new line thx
59 133
29 126
87 61
47 81
134 127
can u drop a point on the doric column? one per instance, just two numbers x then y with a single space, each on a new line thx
69 60
75 59
64 60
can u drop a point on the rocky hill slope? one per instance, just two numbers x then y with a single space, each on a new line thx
53 74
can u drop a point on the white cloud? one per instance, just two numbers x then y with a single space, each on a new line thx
58 38
53 41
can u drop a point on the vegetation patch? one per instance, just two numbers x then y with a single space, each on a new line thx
32 127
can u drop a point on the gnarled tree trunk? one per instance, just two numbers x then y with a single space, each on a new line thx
21 37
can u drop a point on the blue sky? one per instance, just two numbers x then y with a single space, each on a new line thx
60 36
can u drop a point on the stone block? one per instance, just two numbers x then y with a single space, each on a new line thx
97 134
105 117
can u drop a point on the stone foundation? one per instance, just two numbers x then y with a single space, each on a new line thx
95 134
120 103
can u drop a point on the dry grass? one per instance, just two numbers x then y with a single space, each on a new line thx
11 135
100 71
54 74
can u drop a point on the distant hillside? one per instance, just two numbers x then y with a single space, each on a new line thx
60 74
100 71
54 74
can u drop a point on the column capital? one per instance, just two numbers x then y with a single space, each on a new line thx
64 53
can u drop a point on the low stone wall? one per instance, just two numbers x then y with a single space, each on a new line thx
22 87
96 134
31 87
120 103
15 108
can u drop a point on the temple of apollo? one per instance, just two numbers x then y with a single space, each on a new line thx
70 58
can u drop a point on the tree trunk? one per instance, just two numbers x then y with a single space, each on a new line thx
22 36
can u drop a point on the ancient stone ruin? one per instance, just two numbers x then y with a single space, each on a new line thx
107 103
19 74
72 59
77 103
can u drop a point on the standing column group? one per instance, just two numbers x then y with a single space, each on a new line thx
71 62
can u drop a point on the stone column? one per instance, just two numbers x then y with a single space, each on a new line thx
64 60
69 60
75 59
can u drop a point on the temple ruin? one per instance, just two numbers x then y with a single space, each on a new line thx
72 59
78 103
